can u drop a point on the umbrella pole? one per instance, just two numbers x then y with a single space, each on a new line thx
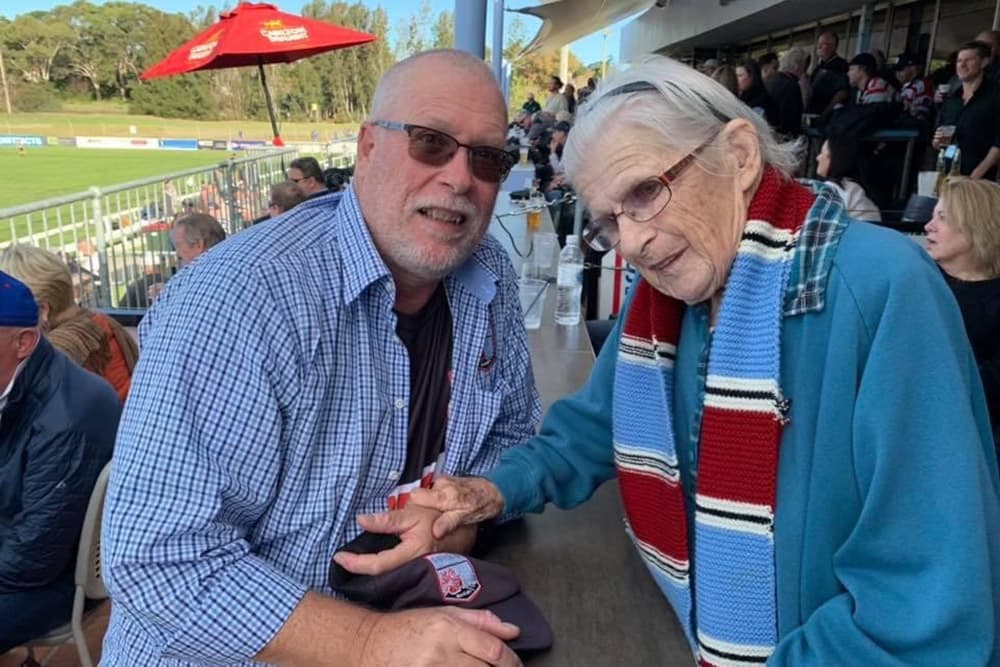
270 104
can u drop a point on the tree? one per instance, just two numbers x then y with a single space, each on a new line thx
444 31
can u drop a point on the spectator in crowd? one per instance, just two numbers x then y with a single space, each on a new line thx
192 236
284 197
752 91
945 75
726 75
708 67
829 83
531 105
560 132
557 101
869 88
587 90
963 238
974 112
569 90
786 94
769 66
91 339
519 129
345 357
308 175
883 71
991 38
838 163
57 431
541 125
338 178
785 392
917 92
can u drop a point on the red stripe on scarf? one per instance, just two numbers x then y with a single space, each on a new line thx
741 463
655 509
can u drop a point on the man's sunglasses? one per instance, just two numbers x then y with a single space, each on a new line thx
435 148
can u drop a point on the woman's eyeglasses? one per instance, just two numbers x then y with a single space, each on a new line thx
435 148
643 202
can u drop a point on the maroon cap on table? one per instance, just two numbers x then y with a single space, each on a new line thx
454 580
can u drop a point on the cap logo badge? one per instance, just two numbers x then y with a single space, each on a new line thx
457 579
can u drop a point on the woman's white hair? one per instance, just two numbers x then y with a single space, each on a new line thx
679 107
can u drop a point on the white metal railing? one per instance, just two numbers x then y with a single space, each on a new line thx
116 239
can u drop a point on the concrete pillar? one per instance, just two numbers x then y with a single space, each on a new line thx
865 27
498 41
934 30
470 27
890 23
564 63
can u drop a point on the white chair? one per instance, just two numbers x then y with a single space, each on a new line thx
89 584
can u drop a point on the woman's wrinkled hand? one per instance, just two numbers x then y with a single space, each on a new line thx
461 501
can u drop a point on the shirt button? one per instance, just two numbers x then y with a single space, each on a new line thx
393 474
400 404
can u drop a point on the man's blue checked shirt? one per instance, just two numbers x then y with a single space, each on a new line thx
268 409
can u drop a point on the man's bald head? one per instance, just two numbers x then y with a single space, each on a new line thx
390 93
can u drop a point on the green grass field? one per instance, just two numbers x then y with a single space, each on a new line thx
100 122
50 171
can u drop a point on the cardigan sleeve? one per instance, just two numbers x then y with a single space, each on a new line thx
920 570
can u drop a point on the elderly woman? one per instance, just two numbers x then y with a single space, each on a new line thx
93 340
963 238
788 402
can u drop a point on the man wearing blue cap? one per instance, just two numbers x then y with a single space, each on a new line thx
57 430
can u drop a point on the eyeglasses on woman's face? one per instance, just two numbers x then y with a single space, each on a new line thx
435 148
642 203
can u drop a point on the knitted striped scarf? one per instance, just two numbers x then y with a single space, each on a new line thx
735 618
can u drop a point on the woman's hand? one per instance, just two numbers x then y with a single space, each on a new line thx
462 501
413 525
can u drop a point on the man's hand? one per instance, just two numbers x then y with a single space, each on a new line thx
413 525
461 501
437 637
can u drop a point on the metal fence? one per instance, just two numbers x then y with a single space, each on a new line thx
116 239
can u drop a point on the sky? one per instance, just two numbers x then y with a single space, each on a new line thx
587 49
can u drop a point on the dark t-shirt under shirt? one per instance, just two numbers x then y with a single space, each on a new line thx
427 337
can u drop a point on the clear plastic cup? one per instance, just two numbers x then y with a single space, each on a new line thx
532 293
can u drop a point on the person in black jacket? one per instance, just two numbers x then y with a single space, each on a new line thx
786 93
750 83
57 431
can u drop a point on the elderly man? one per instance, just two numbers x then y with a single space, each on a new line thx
57 430
342 359
829 83
194 234
307 174
784 89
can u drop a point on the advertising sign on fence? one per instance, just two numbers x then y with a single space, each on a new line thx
205 143
220 145
66 141
242 145
179 144
21 140
117 142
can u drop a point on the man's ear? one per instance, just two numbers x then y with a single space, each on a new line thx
742 143
27 340
366 144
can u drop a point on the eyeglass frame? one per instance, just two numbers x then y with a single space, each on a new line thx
407 127
600 225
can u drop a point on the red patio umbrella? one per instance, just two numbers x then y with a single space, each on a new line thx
256 34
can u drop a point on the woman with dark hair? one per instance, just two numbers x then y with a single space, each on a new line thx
750 85
837 164
569 91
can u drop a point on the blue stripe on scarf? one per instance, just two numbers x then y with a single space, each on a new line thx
643 417
736 563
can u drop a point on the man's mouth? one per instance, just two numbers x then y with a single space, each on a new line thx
442 215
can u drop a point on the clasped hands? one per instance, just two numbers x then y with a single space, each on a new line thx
444 518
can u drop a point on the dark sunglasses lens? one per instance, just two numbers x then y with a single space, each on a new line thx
430 147
490 164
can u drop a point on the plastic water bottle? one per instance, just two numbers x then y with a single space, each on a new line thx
569 283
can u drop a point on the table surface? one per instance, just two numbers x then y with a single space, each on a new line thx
579 566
